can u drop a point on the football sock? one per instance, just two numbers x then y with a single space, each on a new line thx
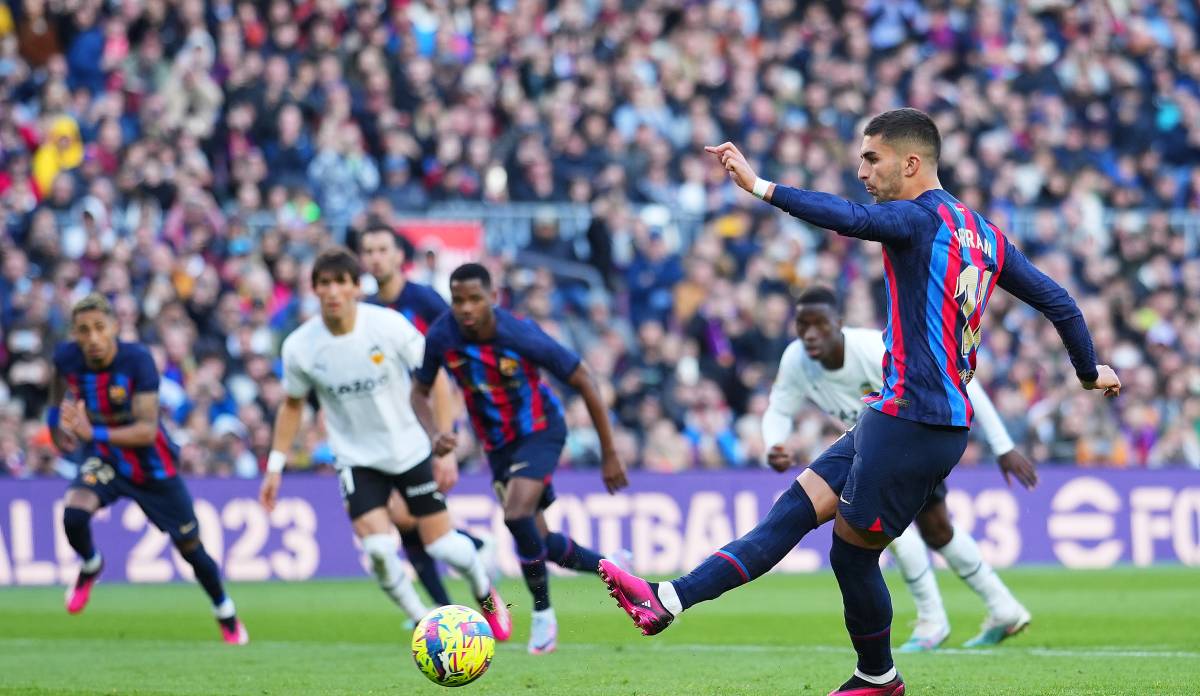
474 539
531 551
962 554
385 564
868 607
744 559
77 523
913 562
425 567
457 551
207 573
563 550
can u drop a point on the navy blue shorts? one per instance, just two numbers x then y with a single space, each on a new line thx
533 456
886 468
166 502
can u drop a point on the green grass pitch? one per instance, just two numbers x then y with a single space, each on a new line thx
1125 631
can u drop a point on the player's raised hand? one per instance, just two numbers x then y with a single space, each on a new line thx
75 421
1017 465
735 163
444 443
1108 381
268 492
779 458
445 472
613 472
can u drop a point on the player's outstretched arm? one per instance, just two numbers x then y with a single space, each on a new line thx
1024 281
287 424
611 467
889 223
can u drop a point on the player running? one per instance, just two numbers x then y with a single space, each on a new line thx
357 358
941 262
833 367
113 413
383 256
495 357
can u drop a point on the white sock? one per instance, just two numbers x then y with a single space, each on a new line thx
459 552
913 561
385 564
669 598
881 679
962 554
91 565
224 610
546 614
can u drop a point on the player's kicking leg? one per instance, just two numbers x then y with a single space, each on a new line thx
808 503
169 506
455 549
1006 616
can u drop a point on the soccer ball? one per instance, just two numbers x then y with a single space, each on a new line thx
453 645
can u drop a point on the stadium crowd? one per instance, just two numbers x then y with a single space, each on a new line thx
188 158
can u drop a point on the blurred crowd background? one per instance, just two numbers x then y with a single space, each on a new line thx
188 159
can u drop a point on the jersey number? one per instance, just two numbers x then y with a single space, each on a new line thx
970 289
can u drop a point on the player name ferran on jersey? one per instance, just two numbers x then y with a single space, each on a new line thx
971 239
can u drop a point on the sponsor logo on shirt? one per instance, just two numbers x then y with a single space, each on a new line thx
358 387
376 354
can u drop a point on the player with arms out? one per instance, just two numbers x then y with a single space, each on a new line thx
358 357
941 263
113 413
382 254
832 367
495 358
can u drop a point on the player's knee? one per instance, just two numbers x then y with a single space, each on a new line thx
936 531
187 546
76 518
379 546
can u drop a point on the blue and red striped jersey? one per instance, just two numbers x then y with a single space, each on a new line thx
941 262
501 381
420 305
108 395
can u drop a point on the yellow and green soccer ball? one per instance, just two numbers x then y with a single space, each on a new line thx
453 645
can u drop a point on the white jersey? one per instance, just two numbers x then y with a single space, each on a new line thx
363 384
839 392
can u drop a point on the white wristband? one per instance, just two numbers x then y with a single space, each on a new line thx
760 188
276 460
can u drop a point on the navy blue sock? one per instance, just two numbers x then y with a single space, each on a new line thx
207 573
77 523
474 539
744 559
867 603
564 551
425 567
531 552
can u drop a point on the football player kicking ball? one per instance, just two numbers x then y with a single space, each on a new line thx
941 262
357 357
495 358
833 367
113 413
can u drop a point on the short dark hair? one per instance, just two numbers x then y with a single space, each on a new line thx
472 271
337 261
908 124
93 302
381 227
819 294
